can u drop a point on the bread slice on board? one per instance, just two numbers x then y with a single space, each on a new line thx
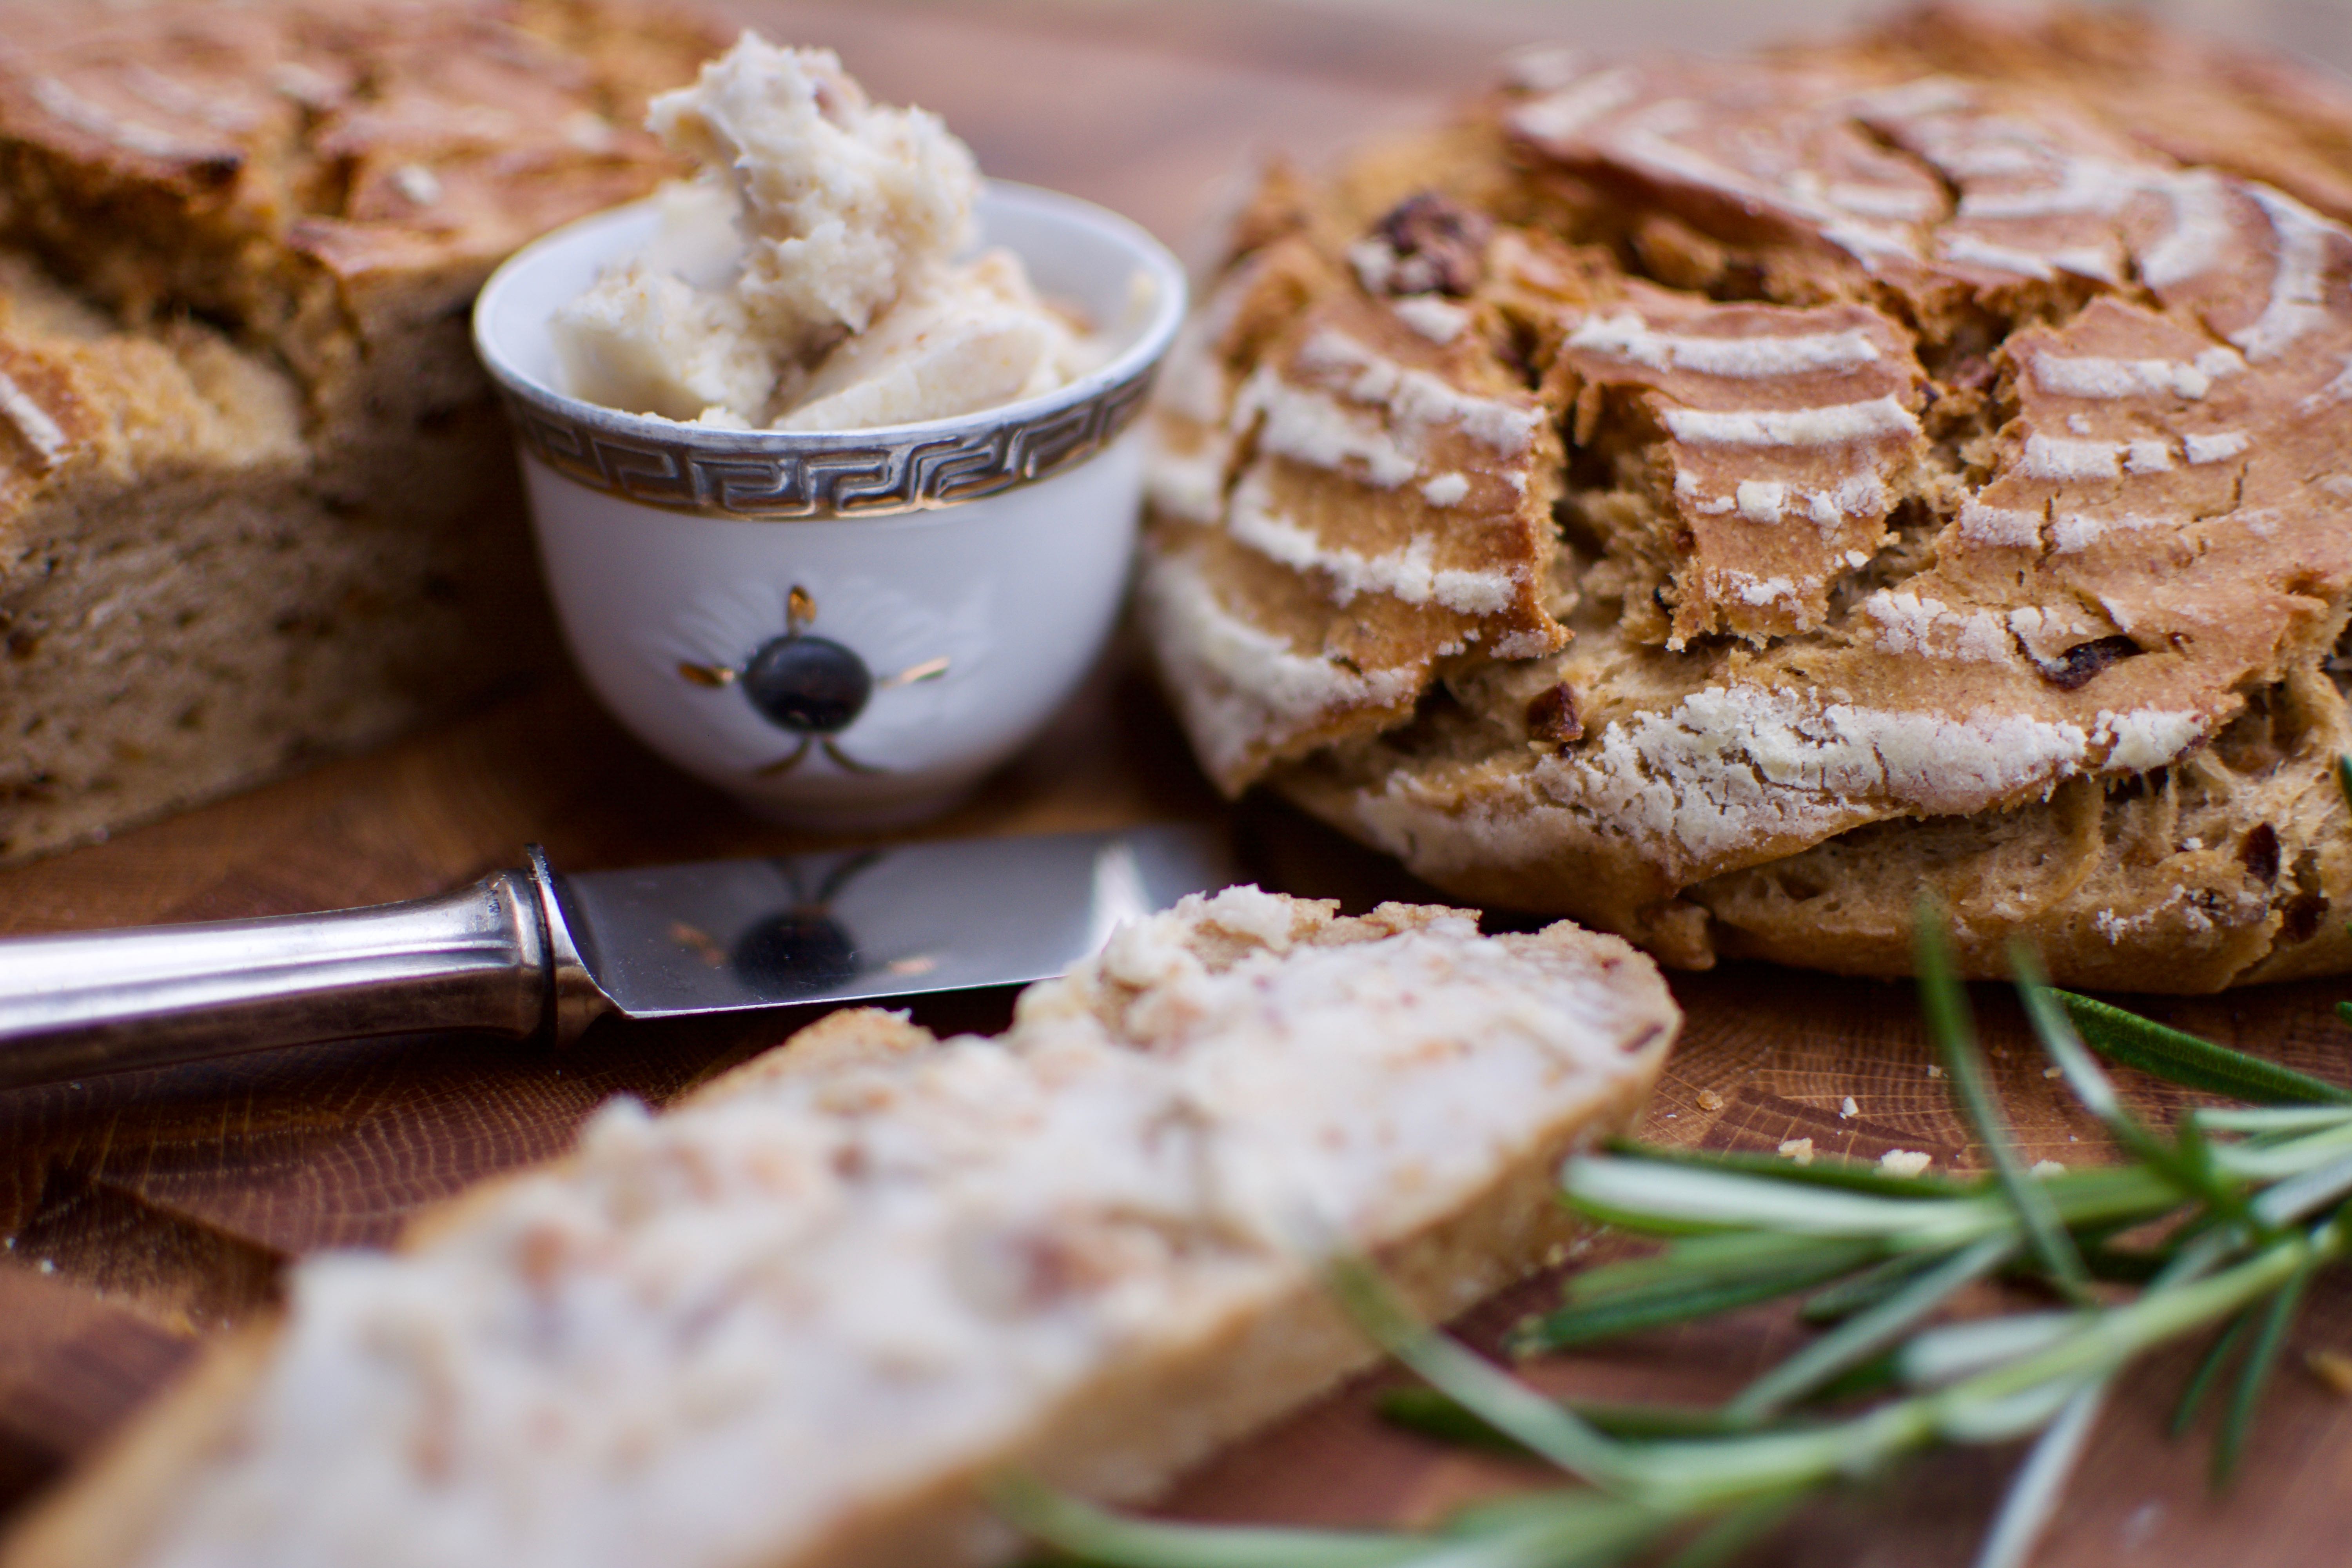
257 503
805 1316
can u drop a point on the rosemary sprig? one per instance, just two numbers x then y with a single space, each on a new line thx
1947 1018
2209 1372
2268 1339
2169 1053
2249 1203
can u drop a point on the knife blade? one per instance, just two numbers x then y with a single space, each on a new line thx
533 951
947 916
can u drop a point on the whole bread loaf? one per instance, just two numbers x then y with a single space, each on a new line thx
806 1317
256 502
1727 500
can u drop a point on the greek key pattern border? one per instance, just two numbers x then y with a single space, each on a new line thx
753 475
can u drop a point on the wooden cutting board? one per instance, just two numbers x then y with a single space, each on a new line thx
140 1215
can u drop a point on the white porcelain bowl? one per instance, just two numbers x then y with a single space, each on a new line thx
722 591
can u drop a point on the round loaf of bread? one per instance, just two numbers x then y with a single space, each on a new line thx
1725 502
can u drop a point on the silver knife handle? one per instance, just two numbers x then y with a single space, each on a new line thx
493 956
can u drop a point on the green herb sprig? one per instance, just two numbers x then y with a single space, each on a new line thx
2245 1206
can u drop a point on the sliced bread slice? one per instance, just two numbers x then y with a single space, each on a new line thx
805 1316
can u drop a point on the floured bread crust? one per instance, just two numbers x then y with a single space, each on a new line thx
802 1316
1935 486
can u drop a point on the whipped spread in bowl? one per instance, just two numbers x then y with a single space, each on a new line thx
814 275
810 333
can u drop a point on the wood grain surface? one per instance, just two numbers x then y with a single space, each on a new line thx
140 1213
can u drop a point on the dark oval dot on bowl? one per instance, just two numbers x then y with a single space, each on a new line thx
811 686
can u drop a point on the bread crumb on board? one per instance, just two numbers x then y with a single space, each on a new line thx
1904 1161
1800 1150
2333 1369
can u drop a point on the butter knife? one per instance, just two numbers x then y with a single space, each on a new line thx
537 953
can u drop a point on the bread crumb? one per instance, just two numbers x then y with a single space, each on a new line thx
1800 1150
1935 1071
1904 1161
420 184
1709 1100
1848 1109
2332 1368
2053 1072
2044 1169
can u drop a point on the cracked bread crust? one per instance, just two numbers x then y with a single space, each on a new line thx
323 176
1949 500
256 502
